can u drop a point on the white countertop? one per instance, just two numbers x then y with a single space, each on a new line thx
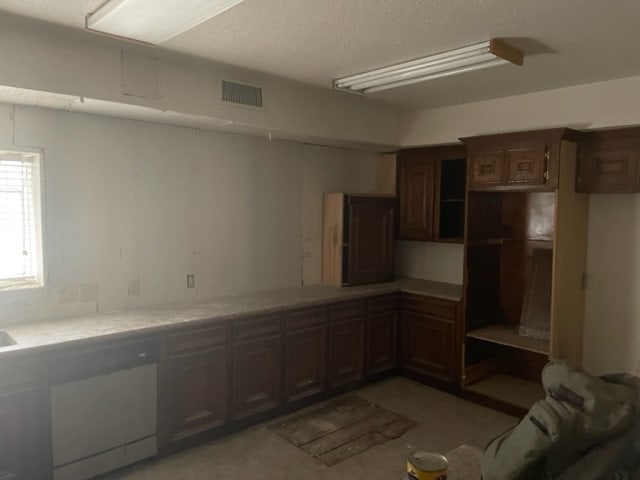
121 323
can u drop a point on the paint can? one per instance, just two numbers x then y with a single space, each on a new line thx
426 466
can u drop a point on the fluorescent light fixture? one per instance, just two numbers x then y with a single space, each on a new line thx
153 21
461 60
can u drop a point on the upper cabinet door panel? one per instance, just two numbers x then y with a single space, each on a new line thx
518 161
526 165
370 239
609 162
416 200
486 168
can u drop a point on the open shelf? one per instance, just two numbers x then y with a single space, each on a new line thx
510 390
508 335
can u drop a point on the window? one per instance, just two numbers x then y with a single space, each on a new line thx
20 221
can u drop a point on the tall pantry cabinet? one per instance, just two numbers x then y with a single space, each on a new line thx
525 261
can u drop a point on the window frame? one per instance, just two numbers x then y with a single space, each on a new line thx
37 186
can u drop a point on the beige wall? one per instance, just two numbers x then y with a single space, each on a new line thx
39 57
612 329
596 105
440 262
130 201
328 170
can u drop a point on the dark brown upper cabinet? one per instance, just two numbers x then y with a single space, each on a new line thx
431 191
516 161
358 239
609 161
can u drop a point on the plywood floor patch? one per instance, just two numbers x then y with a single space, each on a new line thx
342 429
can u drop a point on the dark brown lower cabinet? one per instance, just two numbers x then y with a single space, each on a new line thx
199 391
257 377
382 342
381 346
429 338
305 362
346 351
194 382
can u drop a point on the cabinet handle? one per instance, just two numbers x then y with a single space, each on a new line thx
546 175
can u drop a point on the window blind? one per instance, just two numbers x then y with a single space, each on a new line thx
20 242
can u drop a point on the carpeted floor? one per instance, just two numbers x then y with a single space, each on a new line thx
443 422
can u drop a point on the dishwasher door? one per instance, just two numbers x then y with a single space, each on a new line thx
105 421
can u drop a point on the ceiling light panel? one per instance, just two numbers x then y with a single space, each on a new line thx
462 60
153 21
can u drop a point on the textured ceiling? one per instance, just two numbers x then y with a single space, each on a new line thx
566 42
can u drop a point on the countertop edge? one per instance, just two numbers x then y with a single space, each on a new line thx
164 323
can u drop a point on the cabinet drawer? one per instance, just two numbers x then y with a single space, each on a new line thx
429 306
346 310
383 303
198 338
306 318
256 327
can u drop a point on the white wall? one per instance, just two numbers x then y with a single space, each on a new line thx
130 201
612 330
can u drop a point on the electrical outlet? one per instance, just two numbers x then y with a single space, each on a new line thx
191 280
133 287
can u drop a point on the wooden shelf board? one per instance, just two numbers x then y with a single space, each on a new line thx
508 389
508 335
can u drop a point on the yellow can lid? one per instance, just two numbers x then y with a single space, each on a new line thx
428 462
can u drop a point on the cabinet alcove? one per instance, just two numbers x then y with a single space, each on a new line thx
525 257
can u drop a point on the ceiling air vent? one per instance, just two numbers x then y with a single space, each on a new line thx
241 94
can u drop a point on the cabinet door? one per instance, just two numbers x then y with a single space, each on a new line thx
19 447
346 351
527 165
370 240
198 391
305 361
382 347
486 169
429 345
256 376
610 162
416 196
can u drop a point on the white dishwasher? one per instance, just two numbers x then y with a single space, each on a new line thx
103 407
